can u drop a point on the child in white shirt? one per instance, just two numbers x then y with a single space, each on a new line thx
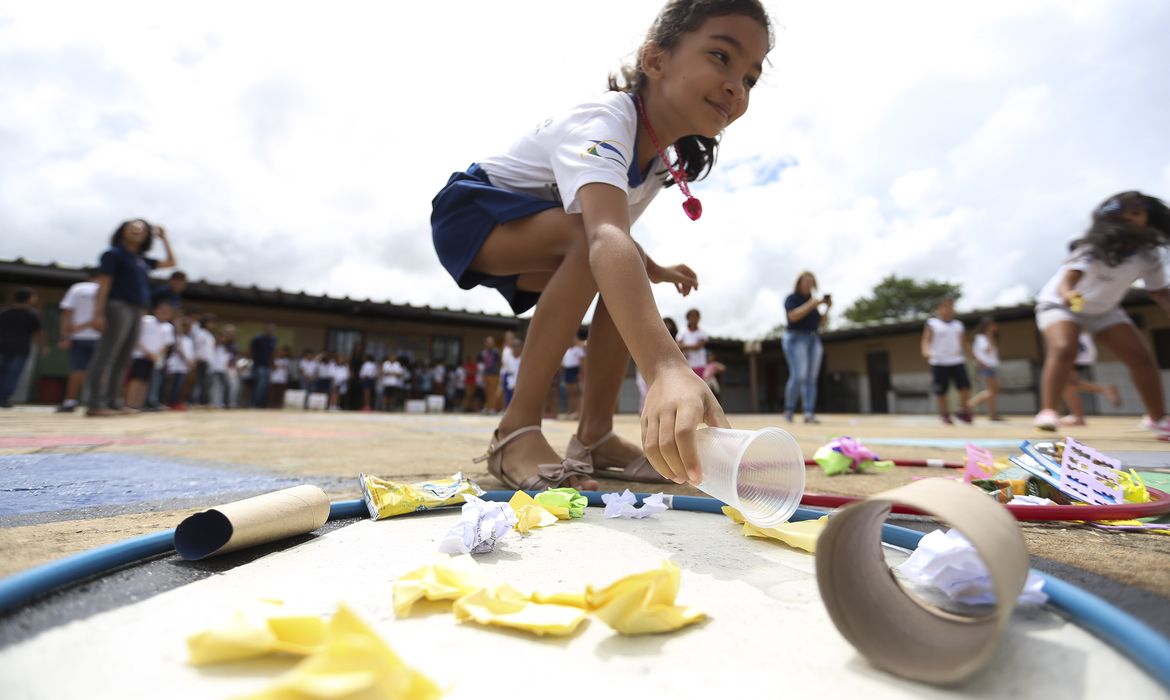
942 348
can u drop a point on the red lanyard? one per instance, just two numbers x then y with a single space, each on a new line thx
692 206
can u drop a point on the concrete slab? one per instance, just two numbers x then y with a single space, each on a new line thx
768 634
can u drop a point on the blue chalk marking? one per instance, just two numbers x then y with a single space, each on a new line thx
54 482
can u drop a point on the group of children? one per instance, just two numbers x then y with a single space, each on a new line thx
1127 240
170 358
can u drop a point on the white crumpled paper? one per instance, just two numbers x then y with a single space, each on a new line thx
948 562
621 505
1030 501
481 526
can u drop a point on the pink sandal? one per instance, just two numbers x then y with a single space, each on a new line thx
547 476
637 470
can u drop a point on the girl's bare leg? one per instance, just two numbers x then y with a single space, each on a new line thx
549 252
1072 398
992 391
1127 344
1060 339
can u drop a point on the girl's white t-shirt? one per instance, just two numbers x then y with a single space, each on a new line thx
279 371
308 369
151 337
81 299
695 358
592 142
1103 287
985 351
369 370
391 374
220 358
946 342
184 351
573 357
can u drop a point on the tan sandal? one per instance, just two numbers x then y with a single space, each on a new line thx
637 470
547 476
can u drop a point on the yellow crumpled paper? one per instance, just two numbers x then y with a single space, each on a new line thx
529 513
354 663
642 603
801 535
344 657
506 606
447 579
260 630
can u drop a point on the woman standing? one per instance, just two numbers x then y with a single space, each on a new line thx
802 346
122 297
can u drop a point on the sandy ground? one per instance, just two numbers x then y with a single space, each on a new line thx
332 448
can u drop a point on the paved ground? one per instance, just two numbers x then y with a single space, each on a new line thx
68 483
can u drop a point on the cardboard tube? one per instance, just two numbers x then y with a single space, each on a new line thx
252 521
894 630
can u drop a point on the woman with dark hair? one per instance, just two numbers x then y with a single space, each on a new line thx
802 345
122 297
1125 242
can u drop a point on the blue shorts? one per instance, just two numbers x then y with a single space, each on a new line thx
572 375
80 353
463 215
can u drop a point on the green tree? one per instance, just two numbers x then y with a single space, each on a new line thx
900 299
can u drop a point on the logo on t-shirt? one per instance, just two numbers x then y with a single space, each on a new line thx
607 150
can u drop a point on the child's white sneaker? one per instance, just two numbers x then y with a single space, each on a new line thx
1046 420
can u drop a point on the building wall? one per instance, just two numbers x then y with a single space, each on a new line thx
844 383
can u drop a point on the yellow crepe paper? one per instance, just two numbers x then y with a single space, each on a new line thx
354 663
447 579
642 603
256 632
530 514
1136 523
505 606
801 535
564 502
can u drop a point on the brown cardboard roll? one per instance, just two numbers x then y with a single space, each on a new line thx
252 521
894 630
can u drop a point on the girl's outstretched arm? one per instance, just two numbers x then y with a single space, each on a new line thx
678 400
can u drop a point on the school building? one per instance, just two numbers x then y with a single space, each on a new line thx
872 368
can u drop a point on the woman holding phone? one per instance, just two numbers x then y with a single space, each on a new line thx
802 345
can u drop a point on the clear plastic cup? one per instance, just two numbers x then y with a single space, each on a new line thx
760 473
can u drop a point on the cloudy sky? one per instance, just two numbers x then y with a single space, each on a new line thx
299 144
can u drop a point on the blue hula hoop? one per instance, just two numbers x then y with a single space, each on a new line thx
1136 640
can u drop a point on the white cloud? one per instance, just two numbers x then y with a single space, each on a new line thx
299 146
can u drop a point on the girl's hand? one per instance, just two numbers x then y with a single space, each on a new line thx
99 322
1073 300
160 232
676 403
682 277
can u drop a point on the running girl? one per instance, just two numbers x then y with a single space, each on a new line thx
1126 242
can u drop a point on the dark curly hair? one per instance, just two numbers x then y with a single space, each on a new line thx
1113 240
694 154
116 239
